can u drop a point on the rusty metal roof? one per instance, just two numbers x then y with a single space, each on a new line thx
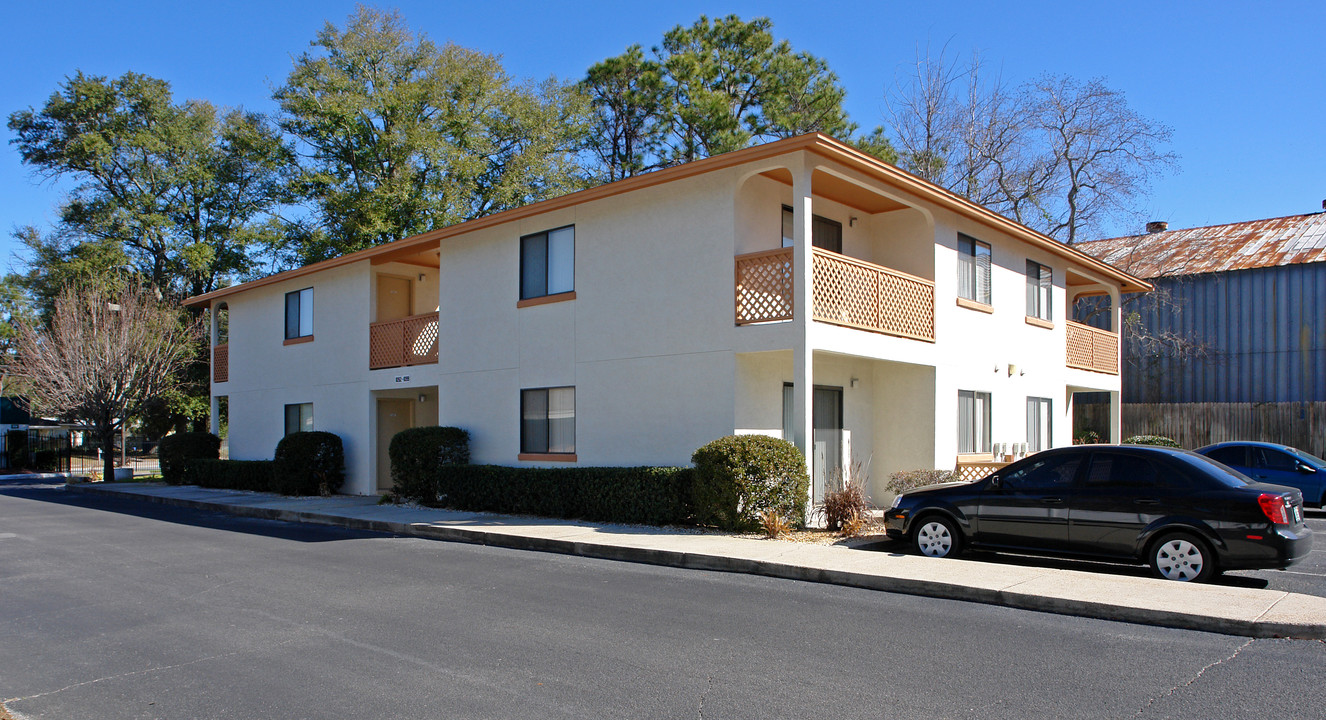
1238 246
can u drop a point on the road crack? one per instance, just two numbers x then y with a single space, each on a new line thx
1195 678
137 672
708 686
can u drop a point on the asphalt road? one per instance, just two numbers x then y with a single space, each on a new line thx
111 608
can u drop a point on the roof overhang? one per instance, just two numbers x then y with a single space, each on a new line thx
419 248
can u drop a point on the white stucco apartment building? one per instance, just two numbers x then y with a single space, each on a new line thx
798 288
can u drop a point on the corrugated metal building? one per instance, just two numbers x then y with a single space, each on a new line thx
1251 296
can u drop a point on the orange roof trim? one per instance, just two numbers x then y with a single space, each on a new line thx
816 143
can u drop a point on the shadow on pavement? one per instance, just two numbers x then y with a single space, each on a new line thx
53 492
898 547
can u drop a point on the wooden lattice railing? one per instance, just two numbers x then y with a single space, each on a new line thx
857 294
1093 349
848 292
221 363
409 341
764 286
968 470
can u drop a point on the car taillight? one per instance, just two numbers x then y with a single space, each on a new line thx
1274 507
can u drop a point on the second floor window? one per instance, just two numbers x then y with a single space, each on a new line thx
825 234
299 314
1040 279
973 269
973 421
547 263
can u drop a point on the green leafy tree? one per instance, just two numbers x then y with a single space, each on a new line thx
185 190
710 88
399 136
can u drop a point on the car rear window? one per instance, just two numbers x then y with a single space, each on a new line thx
1218 472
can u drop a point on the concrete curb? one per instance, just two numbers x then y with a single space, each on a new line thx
1260 627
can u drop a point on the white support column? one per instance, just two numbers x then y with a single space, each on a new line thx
802 279
214 420
1116 417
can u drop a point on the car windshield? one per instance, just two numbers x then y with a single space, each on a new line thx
1218 471
1308 456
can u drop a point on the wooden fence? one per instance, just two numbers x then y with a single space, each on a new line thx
1192 425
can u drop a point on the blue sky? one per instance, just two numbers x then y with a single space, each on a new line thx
1243 85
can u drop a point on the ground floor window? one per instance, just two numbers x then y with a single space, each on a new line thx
548 420
1038 424
973 421
298 418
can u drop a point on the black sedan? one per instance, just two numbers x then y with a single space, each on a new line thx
1184 514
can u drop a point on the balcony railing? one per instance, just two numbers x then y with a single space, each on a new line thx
221 363
408 341
1093 349
846 291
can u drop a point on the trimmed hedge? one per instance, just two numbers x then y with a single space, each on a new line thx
645 495
309 463
175 452
738 477
256 475
1160 440
415 455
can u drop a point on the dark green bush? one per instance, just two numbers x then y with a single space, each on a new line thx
905 480
738 477
647 495
1160 440
415 455
233 474
45 461
175 452
309 463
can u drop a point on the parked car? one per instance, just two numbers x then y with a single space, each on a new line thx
1185 515
1272 463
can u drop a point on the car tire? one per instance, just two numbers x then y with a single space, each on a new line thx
1183 557
936 536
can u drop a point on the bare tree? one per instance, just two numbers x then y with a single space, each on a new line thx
1056 154
105 352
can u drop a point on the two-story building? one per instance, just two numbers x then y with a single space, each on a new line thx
799 289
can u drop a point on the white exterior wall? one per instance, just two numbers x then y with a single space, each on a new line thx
649 342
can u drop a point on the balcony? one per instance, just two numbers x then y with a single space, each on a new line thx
846 291
1093 349
221 363
399 343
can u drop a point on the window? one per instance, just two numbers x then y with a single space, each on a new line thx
547 263
1128 471
1038 424
1271 459
825 234
973 422
1039 281
298 418
973 270
1048 474
1231 456
548 421
299 314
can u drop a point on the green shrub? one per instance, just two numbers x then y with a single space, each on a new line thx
46 461
739 477
233 474
646 495
904 480
175 452
309 463
415 455
1160 440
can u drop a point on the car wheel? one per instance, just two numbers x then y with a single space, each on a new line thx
936 537
1182 557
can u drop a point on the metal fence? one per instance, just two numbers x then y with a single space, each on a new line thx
36 451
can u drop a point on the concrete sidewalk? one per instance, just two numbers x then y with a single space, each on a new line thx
1212 608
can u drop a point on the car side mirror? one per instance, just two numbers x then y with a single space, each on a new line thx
1306 469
